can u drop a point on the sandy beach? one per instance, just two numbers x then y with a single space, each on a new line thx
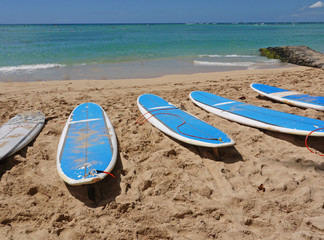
166 189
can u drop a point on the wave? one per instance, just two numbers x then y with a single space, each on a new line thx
272 61
239 56
33 67
210 55
226 56
227 64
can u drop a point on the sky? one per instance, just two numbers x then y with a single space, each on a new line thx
162 11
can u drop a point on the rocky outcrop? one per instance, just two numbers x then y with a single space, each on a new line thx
299 55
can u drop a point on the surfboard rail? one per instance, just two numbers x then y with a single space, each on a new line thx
19 131
91 175
289 97
174 132
246 114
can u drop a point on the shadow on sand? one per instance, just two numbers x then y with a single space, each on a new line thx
11 161
316 144
227 155
100 193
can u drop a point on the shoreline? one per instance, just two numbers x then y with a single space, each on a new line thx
167 78
166 189
130 70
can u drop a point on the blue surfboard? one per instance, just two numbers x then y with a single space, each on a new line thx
289 97
88 146
257 116
179 124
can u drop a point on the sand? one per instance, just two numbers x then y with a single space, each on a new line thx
166 189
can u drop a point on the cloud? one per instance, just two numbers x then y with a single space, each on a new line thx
318 4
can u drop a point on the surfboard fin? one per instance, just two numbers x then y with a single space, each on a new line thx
108 173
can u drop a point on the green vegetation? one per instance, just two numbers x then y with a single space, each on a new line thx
269 53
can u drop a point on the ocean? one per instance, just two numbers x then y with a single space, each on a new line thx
106 51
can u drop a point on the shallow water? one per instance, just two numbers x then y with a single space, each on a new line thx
102 51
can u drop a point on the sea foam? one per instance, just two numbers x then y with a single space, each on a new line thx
229 64
226 56
29 68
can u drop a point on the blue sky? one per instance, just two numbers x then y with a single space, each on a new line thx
163 11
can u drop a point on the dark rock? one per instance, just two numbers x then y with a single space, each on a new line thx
299 55
32 191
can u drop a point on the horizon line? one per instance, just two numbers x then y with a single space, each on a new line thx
157 23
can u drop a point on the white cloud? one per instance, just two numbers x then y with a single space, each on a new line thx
318 4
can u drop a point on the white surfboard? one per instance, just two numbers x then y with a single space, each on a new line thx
19 131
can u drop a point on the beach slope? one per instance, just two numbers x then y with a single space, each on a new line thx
268 186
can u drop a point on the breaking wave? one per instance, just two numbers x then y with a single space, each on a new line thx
229 64
28 68
226 56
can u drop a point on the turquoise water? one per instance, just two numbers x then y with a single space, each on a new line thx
108 51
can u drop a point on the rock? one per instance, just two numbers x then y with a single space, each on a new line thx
299 55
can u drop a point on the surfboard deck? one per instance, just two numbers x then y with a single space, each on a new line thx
289 97
179 124
87 147
257 116
19 131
